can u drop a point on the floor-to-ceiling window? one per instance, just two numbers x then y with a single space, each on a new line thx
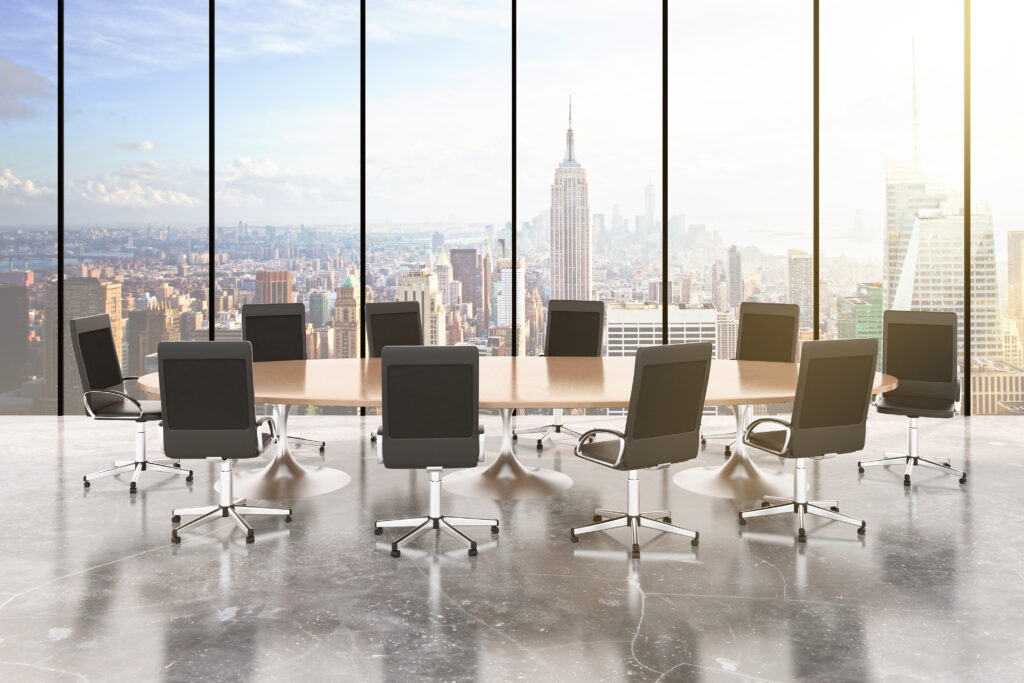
28 208
136 134
287 166
589 165
438 186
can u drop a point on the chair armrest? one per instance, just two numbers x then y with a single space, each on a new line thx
480 458
588 434
750 428
111 392
272 426
125 378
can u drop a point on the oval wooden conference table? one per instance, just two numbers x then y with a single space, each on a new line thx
506 384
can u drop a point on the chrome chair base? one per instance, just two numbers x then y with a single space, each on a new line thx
776 505
227 507
555 427
139 465
658 520
321 445
911 459
434 520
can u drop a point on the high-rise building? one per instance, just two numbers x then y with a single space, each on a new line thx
273 287
860 317
346 320
464 269
319 309
421 286
906 193
735 279
13 336
801 286
633 326
505 295
675 292
443 268
571 249
728 328
146 329
1015 273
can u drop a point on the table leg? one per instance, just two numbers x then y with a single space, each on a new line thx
506 478
739 478
284 478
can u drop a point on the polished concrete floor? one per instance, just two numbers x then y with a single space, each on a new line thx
92 588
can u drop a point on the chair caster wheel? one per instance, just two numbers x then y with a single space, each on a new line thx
373 439
175 519
597 518
906 480
963 479
703 441
287 518
395 552
86 483
667 520
177 464
696 541
860 469
189 479
494 529
515 437
728 451
834 508
132 488
540 445
472 551
742 521
862 529
175 538
573 537
636 552
801 536
765 503
377 531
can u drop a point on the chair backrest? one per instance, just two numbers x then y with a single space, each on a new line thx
431 405
919 348
276 331
575 328
665 406
96 356
768 332
393 323
206 397
833 391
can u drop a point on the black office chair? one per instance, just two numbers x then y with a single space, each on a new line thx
662 428
209 413
575 328
767 332
830 413
105 398
919 348
392 323
278 332
431 406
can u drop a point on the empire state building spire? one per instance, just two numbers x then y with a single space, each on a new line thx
570 142
571 250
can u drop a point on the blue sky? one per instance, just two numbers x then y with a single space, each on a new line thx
438 109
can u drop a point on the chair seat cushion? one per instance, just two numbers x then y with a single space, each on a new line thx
769 439
913 406
605 451
126 409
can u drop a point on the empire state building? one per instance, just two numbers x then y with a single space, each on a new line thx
571 251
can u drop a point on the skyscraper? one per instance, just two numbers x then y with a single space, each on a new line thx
801 281
13 336
346 321
421 285
464 269
319 309
505 295
1015 273
571 249
735 278
443 268
273 287
860 317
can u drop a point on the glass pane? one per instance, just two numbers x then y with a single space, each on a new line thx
28 208
287 147
438 136
997 217
740 167
891 163
589 159
136 175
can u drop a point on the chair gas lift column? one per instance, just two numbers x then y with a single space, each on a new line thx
105 398
662 428
829 416
919 348
575 328
206 392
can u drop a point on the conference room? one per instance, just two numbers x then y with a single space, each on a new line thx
510 340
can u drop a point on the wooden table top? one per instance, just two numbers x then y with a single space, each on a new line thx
523 382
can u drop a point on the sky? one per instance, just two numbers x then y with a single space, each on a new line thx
439 110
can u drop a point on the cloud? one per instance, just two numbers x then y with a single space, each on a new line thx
272 27
14 190
144 145
18 83
147 170
119 191
247 182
